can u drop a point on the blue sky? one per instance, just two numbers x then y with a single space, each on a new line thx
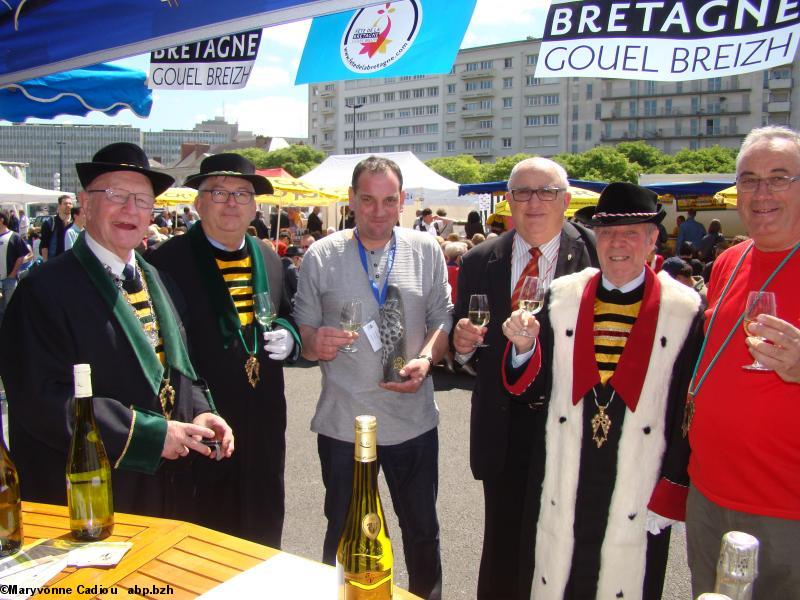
271 104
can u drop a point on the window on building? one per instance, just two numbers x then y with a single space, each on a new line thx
433 92
418 129
574 112
451 107
508 63
508 82
388 96
419 111
471 86
588 132
485 124
531 59
632 108
404 113
450 146
419 93
714 84
486 84
431 147
598 111
650 88
404 130
649 108
404 94
589 91
389 114
451 88
487 64
374 98
473 66
314 107
432 128
507 102
634 87
506 142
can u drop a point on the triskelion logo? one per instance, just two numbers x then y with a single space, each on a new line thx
377 36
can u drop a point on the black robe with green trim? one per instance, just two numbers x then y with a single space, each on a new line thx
244 495
56 319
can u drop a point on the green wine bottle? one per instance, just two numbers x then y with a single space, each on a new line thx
10 504
91 506
364 559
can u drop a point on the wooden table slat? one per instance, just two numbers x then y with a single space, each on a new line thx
199 566
220 554
164 571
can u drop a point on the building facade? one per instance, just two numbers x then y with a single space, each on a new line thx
491 105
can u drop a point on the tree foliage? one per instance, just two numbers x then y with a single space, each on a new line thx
297 159
647 156
715 159
501 168
463 168
603 163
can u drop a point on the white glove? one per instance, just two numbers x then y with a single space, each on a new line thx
655 523
280 343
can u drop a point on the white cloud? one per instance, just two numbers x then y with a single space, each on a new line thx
268 77
271 115
290 35
497 21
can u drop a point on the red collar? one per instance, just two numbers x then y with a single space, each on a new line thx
631 370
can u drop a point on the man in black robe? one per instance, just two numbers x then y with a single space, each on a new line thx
225 272
101 304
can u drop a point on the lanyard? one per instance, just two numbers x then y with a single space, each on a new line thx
380 295
738 322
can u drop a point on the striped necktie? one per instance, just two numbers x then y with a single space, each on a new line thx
530 270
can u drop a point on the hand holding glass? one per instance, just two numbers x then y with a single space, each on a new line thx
758 303
531 297
350 320
479 312
264 310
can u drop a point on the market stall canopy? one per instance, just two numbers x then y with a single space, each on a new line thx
419 181
497 187
290 191
104 88
728 196
176 196
19 192
43 37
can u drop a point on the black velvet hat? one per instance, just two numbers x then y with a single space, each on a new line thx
627 204
122 156
229 165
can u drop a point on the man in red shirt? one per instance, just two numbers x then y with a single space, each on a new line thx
745 462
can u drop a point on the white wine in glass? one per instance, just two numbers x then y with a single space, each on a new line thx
350 320
479 312
758 303
531 297
264 310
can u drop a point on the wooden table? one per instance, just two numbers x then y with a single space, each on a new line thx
189 558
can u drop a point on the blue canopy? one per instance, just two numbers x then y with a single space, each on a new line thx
105 88
42 37
679 190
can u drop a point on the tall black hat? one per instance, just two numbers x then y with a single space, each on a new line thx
627 204
122 156
229 165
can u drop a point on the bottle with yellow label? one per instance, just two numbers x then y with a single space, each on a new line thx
364 560
91 505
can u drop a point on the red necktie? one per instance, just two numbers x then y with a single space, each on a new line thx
530 270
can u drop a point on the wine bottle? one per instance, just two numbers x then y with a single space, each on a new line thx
737 567
364 559
91 505
10 504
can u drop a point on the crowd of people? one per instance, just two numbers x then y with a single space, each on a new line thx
616 410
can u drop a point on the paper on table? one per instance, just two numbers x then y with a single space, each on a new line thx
31 580
282 576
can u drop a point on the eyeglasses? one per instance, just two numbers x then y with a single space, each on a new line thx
545 194
121 197
221 196
776 183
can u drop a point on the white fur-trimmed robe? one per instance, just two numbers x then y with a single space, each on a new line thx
639 456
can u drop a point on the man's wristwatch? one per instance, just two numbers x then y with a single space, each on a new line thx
430 362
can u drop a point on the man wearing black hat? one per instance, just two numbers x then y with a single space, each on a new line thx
226 272
615 350
112 312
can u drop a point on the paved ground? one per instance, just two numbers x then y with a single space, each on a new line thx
460 496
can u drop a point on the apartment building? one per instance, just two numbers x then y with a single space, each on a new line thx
491 105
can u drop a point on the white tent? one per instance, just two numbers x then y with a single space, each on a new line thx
420 182
13 190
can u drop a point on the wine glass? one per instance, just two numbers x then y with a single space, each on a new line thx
479 312
264 310
531 297
758 303
350 320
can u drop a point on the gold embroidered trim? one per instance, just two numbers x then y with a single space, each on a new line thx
128 441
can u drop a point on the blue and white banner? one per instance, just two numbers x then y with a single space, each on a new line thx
50 36
667 41
222 63
391 39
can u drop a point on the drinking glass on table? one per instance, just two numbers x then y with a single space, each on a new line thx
350 320
264 310
479 312
758 303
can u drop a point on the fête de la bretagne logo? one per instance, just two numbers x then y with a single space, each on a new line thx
379 35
